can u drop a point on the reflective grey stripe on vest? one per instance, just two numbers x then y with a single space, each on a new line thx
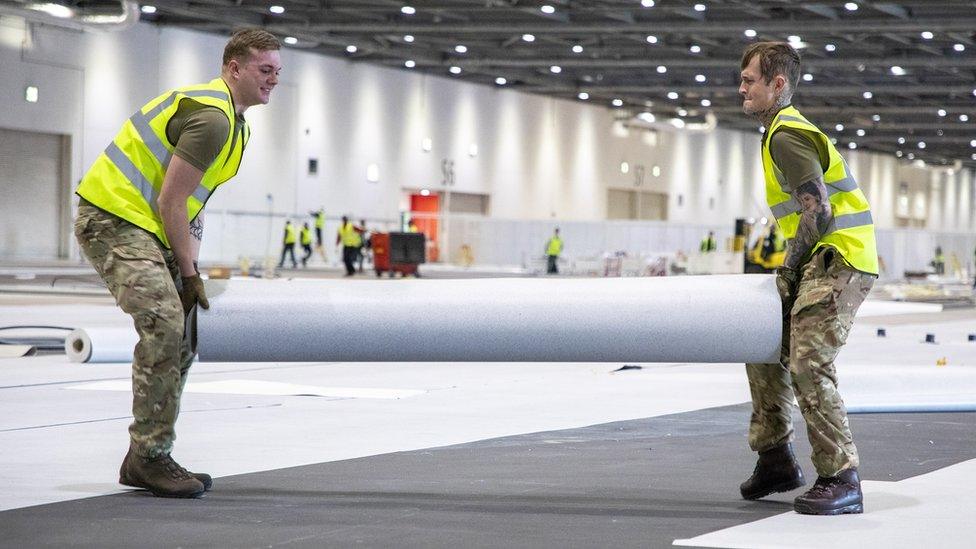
156 146
789 118
132 173
849 221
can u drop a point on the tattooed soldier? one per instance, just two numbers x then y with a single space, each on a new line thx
140 223
831 263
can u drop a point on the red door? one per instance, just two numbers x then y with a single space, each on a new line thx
427 209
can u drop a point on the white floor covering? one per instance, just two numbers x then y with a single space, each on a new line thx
57 443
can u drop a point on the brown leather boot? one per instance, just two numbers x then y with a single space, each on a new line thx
776 471
160 475
839 495
204 478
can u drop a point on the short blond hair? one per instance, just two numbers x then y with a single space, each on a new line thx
241 42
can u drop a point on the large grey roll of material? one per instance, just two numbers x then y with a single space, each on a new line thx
101 344
728 318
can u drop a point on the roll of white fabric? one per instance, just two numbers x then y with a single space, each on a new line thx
101 344
729 318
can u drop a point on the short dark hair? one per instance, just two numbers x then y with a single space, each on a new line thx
775 58
240 44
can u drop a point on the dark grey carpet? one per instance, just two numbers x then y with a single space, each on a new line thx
639 483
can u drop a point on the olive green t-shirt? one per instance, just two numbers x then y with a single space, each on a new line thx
198 132
799 154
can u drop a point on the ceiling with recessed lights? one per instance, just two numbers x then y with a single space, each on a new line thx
895 77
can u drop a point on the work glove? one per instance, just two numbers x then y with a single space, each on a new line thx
787 282
193 293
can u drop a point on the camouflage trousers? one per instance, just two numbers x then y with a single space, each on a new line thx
816 321
144 278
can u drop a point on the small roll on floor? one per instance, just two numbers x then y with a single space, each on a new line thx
101 344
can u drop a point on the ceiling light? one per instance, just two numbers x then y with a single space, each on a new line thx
677 123
291 40
408 38
661 69
794 38
547 9
455 70
617 102
941 112
750 33
876 118
148 9
867 95
964 118
897 71
839 127
583 96
682 112
973 156
461 48
852 145
672 95
555 69
528 37
911 156
899 154
408 10
647 3
351 49
409 63
706 103
860 133
972 143
699 7
424 192
959 47
921 144
577 49
55 10
277 9
901 140
695 48
700 78
501 81
850 6
651 39
807 77
646 116
830 47
928 35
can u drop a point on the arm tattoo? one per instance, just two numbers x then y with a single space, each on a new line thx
815 216
196 228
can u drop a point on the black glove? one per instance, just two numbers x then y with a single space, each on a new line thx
193 293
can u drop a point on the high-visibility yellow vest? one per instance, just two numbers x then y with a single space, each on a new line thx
127 176
707 245
349 236
851 232
306 236
320 219
289 234
555 246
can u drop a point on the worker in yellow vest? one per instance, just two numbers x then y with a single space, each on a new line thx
830 265
554 247
708 243
140 223
305 236
289 237
349 237
319 217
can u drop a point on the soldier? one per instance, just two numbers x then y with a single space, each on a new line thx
140 223
831 263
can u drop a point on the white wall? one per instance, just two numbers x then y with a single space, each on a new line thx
539 158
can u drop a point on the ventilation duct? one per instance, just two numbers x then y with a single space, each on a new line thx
75 14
